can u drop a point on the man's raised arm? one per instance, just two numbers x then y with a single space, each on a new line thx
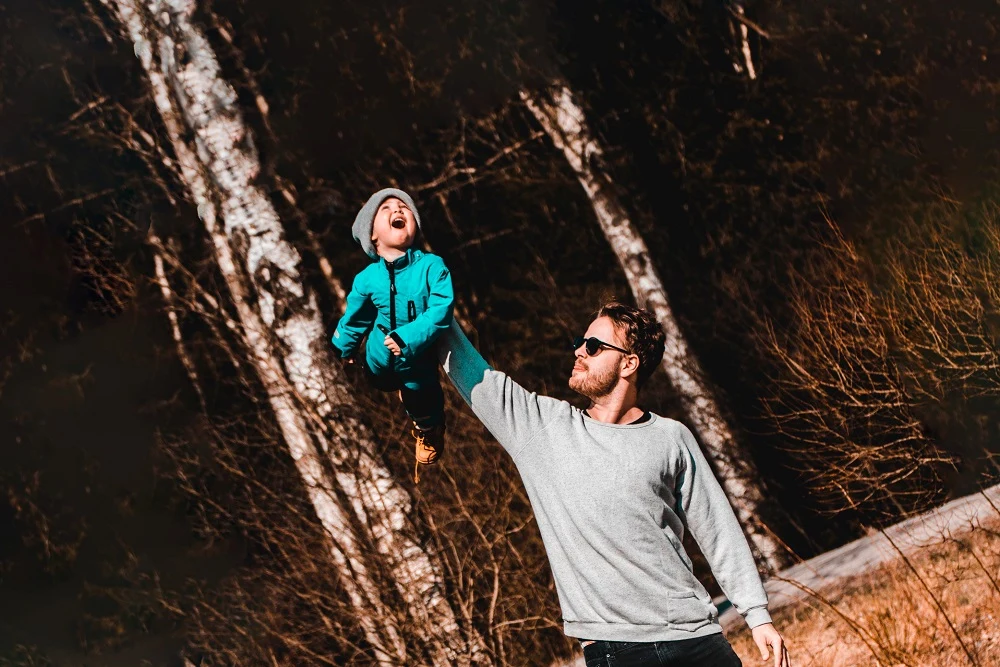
511 413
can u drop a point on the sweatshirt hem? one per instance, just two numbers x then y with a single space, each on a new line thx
628 632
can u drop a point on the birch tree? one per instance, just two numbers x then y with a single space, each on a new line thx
563 119
358 503
741 35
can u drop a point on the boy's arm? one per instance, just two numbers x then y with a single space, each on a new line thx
704 507
418 335
511 413
359 315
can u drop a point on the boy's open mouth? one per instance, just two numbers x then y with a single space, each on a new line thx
398 223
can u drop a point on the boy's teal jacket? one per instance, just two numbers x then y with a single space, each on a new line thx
424 300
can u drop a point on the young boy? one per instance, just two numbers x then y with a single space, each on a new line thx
407 295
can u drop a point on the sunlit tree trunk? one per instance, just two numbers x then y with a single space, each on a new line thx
564 121
359 504
741 35
175 328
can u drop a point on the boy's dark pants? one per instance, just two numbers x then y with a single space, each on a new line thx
425 404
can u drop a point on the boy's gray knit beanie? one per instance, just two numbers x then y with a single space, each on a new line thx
363 223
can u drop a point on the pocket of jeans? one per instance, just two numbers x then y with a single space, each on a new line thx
715 650
633 651
596 656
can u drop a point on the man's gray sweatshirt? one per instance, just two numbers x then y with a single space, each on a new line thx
612 502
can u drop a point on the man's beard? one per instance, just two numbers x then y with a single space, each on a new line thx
594 385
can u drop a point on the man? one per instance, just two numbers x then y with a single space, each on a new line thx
613 488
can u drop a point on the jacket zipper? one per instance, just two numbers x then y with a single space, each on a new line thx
392 308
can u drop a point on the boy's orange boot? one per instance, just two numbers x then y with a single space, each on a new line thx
429 444
429 447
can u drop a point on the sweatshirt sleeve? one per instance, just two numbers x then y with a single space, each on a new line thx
705 509
359 316
509 411
421 332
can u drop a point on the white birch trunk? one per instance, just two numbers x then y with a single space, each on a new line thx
564 121
744 39
175 326
354 496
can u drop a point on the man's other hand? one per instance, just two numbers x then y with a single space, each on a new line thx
766 636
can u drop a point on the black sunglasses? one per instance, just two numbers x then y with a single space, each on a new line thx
594 345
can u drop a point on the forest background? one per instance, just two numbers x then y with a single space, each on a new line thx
815 186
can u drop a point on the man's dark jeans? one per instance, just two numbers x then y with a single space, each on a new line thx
710 651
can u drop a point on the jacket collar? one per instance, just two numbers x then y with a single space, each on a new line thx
403 261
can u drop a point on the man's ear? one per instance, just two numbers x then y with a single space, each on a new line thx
630 365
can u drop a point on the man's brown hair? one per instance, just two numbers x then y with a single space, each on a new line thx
643 335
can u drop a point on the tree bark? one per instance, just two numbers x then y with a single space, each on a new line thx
741 34
175 328
564 121
359 504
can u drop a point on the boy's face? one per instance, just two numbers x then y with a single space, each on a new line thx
394 228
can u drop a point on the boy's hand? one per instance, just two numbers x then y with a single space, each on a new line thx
393 346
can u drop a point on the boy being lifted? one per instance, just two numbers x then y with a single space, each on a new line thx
407 295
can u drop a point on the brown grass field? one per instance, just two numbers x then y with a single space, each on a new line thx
939 607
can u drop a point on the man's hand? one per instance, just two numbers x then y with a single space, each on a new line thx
393 347
765 636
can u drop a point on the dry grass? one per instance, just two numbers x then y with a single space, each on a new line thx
888 617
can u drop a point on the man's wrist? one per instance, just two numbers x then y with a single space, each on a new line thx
757 616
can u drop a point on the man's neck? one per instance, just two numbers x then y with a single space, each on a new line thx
615 409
